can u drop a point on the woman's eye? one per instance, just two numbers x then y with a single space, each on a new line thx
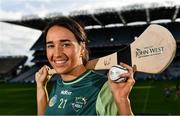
50 46
65 45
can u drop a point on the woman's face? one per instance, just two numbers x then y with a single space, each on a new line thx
63 50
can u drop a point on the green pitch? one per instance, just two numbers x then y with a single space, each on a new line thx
17 99
147 97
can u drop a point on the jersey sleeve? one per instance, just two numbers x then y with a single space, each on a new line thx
105 105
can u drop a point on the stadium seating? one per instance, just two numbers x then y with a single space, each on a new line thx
9 66
22 78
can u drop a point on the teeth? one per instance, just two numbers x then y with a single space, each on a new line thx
60 62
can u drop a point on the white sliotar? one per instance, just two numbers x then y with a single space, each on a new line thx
115 71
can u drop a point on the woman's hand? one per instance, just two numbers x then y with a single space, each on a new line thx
41 76
121 90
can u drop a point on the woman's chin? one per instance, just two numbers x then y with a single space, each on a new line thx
61 70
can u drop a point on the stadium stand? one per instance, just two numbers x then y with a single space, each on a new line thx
22 78
178 14
166 13
10 65
138 14
110 29
84 18
104 15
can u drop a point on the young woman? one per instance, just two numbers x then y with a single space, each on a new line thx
78 91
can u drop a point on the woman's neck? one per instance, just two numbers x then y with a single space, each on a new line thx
74 73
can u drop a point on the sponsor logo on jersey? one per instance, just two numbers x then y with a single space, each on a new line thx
66 92
52 101
79 103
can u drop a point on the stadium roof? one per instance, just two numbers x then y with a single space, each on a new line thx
108 16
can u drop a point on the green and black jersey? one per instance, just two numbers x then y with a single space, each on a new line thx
88 94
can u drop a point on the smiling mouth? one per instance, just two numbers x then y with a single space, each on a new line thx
60 62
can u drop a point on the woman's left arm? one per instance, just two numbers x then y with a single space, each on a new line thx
121 91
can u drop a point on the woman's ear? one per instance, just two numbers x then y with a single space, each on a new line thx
83 47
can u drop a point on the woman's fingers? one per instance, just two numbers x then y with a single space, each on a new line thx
129 75
42 74
129 68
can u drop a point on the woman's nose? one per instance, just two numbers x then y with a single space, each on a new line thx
58 51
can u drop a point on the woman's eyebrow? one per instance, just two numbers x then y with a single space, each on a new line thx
63 40
49 42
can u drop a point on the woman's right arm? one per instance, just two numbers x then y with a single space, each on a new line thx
42 94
